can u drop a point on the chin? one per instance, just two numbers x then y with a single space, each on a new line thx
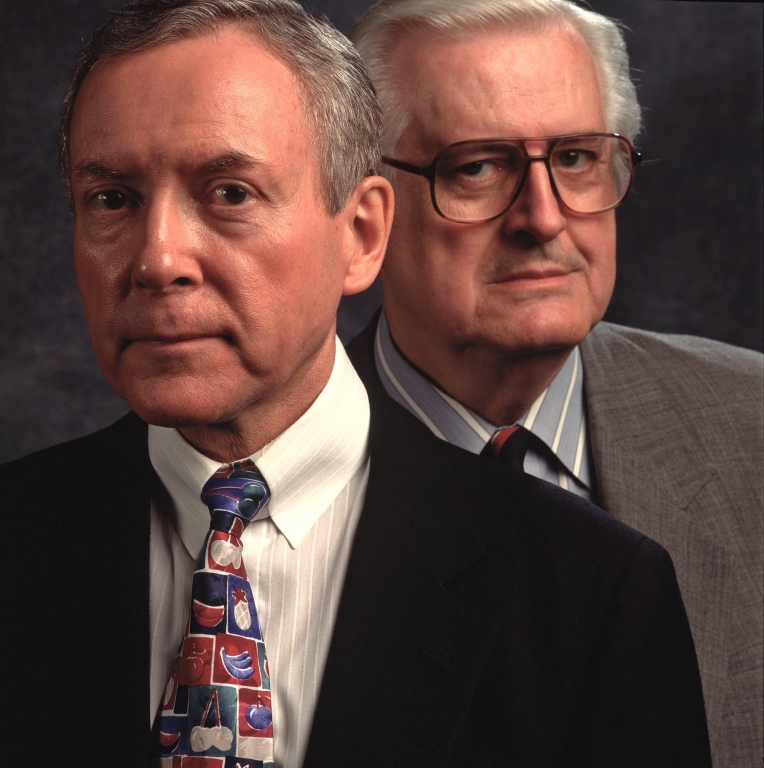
544 333
179 403
175 415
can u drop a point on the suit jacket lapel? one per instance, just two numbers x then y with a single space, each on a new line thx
407 652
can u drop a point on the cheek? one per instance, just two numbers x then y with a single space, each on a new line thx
89 280
413 220
289 288
596 239
102 255
99 281
425 251
605 281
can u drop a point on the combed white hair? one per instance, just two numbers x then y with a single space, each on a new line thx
377 33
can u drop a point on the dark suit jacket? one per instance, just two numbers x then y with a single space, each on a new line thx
487 618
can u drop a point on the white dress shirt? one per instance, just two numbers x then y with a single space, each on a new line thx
295 552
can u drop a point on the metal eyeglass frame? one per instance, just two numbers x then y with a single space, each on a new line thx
429 171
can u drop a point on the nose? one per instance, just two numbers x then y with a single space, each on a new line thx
536 211
166 260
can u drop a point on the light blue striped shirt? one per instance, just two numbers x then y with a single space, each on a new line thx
558 417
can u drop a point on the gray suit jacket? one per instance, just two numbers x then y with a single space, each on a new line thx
676 425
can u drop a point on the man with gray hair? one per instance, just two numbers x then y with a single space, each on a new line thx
250 562
219 157
508 137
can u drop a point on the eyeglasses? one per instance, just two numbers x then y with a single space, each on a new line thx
475 181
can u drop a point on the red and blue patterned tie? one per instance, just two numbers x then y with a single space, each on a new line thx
216 709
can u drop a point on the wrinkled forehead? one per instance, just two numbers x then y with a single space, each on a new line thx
177 100
538 80
228 61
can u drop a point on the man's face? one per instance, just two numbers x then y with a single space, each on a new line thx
536 277
209 271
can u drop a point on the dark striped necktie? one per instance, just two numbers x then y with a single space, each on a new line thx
511 444
216 709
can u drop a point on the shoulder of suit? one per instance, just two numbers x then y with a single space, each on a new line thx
431 473
681 357
57 469
69 493
679 386
682 349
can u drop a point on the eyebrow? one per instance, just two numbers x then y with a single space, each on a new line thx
229 161
233 160
99 170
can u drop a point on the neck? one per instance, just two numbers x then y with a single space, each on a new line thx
498 385
264 420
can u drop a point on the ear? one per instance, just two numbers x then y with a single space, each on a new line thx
369 216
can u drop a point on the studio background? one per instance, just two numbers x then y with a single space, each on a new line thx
689 235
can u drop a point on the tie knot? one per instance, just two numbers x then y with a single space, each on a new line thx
500 436
236 492
510 445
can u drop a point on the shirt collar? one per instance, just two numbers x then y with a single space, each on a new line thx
557 416
306 466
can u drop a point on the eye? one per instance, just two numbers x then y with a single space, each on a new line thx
574 158
110 200
478 169
230 194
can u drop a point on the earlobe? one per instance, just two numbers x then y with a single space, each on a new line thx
370 216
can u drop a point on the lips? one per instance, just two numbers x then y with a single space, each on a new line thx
160 339
176 339
532 274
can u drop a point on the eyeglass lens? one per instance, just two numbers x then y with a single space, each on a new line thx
476 180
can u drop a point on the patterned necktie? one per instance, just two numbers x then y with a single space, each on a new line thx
510 445
216 709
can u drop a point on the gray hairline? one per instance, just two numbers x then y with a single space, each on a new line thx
377 33
320 106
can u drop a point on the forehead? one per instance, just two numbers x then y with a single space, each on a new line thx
527 82
182 101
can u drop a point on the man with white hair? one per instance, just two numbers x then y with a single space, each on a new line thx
508 130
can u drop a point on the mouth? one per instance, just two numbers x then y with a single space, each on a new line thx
175 339
167 341
533 275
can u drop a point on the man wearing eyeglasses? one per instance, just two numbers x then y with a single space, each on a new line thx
508 138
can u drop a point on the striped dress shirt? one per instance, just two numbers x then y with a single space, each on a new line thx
558 416
295 552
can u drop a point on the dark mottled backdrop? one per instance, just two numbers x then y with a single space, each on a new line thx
690 236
